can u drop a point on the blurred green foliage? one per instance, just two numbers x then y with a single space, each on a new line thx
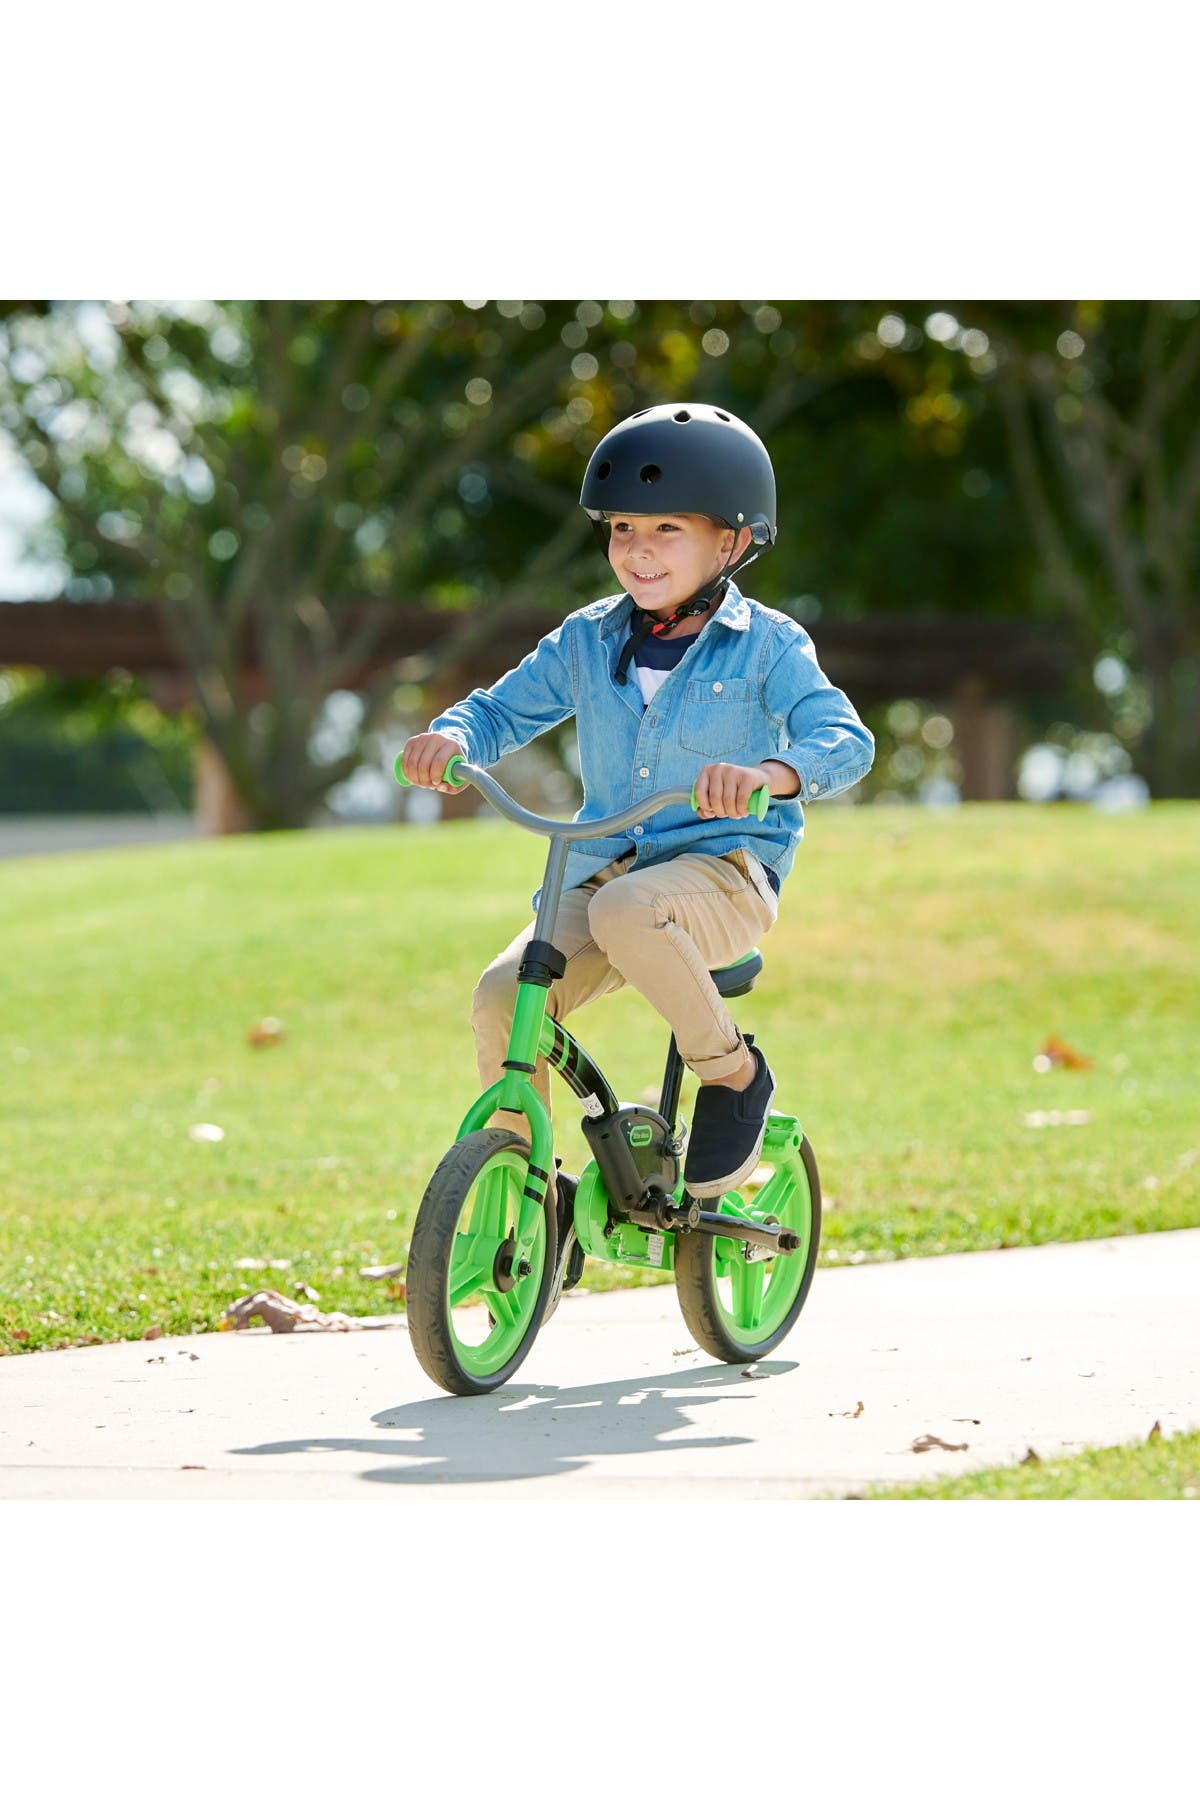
90 747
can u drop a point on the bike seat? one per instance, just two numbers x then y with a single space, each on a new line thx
739 977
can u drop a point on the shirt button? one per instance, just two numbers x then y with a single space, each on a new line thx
643 772
637 831
813 788
717 686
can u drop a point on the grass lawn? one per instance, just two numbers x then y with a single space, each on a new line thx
920 961
1156 1469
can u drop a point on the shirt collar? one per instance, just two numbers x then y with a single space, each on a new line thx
733 611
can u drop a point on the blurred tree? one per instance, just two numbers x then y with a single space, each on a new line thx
275 475
1100 404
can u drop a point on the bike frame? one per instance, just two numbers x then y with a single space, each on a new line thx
533 1032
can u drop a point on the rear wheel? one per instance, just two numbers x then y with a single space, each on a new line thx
474 1306
739 1309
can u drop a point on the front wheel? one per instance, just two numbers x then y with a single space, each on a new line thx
474 1305
739 1309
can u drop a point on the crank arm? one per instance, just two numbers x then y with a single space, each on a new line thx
666 1216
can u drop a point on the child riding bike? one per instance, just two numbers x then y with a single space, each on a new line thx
677 680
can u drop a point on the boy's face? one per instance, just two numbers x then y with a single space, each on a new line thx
662 558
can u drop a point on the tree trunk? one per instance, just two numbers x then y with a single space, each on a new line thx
220 810
984 742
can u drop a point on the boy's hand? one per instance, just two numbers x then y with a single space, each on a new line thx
424 760
723 790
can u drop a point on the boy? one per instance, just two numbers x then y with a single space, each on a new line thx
725 693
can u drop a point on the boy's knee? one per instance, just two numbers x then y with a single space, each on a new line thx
495 992
611 913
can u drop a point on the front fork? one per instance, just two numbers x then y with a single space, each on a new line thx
532 1034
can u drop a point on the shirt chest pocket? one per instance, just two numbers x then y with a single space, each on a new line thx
717 717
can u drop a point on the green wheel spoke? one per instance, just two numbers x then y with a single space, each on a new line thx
503 1308
491 1203
747 1281
468 1269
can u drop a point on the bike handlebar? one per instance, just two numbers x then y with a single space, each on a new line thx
613 826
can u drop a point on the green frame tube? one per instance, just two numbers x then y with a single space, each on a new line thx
515 1092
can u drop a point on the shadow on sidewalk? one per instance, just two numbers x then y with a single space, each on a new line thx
523 1432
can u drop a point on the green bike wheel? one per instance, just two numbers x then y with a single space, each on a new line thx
738 1310
472 1315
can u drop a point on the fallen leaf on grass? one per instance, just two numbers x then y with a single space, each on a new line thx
382 1271
155 1331
929 1442
22 1337
279 1313
1039 1119
1155 1431
267 1031
1054 1054
263 1262
1030 1456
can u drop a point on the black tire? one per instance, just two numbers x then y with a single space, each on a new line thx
696 1283
440 1352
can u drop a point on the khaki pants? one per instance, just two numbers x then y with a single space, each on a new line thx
660 930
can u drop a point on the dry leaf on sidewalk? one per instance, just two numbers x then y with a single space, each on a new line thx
856 1414
928 1442
280 1313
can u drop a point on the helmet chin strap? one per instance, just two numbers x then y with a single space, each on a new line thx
648 624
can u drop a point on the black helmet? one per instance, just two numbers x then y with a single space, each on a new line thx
684 458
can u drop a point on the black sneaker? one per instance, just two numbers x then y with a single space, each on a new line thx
568 1266
727 1132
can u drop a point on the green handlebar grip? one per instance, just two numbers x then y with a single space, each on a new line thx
402 778
760 799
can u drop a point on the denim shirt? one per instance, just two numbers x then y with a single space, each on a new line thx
747 688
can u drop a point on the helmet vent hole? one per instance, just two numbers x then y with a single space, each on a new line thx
650 473
681 418
722 415
604 471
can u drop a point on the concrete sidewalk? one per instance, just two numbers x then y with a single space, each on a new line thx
1056 1348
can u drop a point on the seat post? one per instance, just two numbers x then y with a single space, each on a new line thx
672 1082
